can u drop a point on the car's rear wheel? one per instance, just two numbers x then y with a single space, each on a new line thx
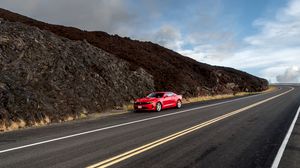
178 104
158 106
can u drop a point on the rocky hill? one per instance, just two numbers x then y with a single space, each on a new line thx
52 72
46 77
171 71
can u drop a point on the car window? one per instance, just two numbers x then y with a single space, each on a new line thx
170 94
156 95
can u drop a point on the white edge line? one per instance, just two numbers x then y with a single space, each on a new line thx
285 142
128 123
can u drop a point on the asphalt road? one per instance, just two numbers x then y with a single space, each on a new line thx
243 132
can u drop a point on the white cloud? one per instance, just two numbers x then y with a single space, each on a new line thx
260 57
284 29
270 53
292 9
209 53
113 16
168 36
291 75
201 35
20 6
171 37
276 46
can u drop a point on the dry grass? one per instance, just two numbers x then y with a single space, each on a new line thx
15 125
223 96
206 98
271 89
128 107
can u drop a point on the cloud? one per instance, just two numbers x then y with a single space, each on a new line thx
201 34
273 50
291 75
20 6
113 16
275 45
167 36
280 32
292 9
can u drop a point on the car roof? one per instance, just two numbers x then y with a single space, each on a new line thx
163 92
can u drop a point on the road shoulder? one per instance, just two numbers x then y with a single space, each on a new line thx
291 155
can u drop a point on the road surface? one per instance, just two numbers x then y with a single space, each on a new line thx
239 132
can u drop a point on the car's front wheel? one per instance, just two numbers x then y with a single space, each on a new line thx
158 106
178 104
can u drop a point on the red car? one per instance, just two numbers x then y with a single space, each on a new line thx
157 101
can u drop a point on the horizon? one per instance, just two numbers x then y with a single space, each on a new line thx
249 36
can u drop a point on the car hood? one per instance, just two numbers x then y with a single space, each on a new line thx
146 99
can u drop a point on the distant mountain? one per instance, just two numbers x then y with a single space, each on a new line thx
51 71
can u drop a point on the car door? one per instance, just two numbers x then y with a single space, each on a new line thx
174 99
167 100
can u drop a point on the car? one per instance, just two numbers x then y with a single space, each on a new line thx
157 101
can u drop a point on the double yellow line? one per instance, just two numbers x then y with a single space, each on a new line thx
136 151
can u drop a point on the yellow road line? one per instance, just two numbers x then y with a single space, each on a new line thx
136 151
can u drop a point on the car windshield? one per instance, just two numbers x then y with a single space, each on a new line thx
156 95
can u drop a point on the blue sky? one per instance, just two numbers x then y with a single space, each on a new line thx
261 37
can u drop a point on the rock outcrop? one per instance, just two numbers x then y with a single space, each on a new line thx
47 77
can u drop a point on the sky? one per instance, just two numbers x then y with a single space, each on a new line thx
261 37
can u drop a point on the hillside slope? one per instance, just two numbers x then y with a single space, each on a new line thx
170 70
44 77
